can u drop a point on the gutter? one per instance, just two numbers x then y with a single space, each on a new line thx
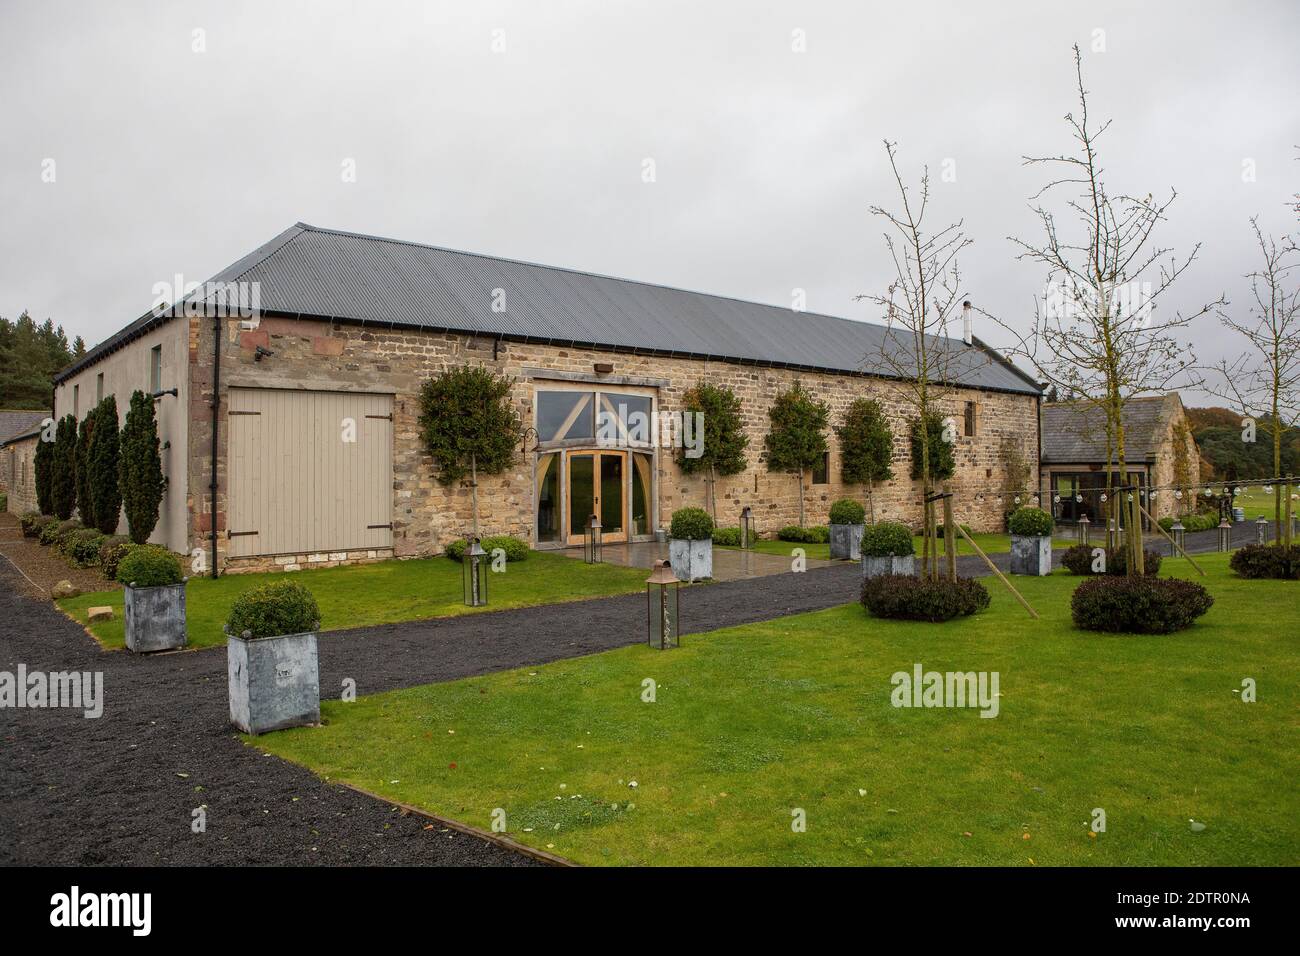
216 405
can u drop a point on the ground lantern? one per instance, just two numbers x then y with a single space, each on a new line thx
1179 532
1225 535
591 540
746 527
474 566
663 602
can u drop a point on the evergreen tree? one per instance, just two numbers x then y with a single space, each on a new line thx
140 477
797 439
29 355
104 455
866 447
44 474
942 463
723 441
63 469
469 425
81 469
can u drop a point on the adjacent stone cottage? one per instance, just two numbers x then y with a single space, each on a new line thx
19 432
1160 454
290 421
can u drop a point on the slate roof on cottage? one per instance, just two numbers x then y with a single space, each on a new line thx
310 272
20 424
1075 432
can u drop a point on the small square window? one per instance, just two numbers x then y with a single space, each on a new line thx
155 369
969 430
821 473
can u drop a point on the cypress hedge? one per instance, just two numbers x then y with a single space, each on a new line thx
140 468
103 455
63 469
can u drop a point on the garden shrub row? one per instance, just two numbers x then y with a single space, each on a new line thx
910 598
85 547
1142 605
1267 561
1201 521
1078 560
515 549
726 537
813 534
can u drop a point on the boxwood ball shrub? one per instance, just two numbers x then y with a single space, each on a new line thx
281 607
1266 561
691 524
848 511
1142 605
813 534
726 537
83 546
149 566
910 598
1030 522
515 549
111 552
1078 560
886 538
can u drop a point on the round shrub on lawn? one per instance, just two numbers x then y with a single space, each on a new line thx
1266 561
515 549
83 546
848 511
1030 522
281 607
813 534
149 566
111 552
886 538
726 537
691 524
1142 605
1078 560
910 598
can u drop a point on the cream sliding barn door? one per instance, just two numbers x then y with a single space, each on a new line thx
296 483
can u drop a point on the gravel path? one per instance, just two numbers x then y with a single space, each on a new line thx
121 789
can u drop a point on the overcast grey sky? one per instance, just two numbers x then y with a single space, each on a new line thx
171 160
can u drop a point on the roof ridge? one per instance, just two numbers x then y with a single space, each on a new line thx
593 275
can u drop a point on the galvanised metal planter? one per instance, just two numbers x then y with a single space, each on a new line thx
875 565
155 618
846 542
691 560
274 682
1031 554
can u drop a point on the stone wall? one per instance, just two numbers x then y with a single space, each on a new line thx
427 515
18 474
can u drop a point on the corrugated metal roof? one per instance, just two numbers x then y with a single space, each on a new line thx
312 272
1075 432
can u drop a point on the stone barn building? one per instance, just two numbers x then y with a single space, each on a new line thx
290 434
1158 449
19 432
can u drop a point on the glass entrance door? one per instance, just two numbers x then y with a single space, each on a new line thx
596 485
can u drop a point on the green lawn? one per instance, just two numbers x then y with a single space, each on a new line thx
381 593
990 543
1256 503
753 722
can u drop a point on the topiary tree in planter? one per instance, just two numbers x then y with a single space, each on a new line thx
690 544
722 451
866 447
63 469
155 599
44 464
81 469
887 548
1031 541
272 658
846 519
139 469
103 459
468 425
797 438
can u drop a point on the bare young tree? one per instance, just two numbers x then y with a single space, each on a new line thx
917 354
1098 334
1264 381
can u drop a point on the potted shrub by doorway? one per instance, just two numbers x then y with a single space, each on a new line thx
887 549
847 516
1031 541
690 544
271 658
154 599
